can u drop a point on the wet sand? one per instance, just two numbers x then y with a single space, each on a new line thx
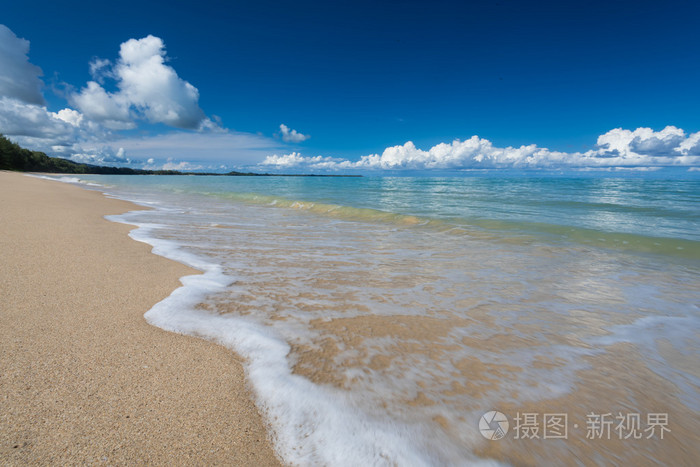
616 382
83 378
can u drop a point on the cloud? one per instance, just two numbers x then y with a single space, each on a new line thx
292 136
19 79
147 89
176 151
231 148
70 116
111 110
22 119
691 146
181 166
59 133
68 133
23 114
142 86
642 147
296 160
104 156
100 69
642 141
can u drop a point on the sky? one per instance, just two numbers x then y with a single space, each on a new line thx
354 86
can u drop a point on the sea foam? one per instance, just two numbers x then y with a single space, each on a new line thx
309 423
65 179
274 276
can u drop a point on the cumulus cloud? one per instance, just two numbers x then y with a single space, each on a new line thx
148 88
642 141
23 115
111 110
142 87
19 79
60 133
642 147
23 119
691 145
68 133
70 116
292 136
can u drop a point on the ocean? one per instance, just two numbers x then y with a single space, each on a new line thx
496 318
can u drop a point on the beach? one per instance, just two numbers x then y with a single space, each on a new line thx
370 321
83 378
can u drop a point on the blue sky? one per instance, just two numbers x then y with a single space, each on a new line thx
537 83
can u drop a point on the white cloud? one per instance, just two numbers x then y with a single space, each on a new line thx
213 126
147 88
182 166
292 136
691 146
103 156
68 133
73 117
23 115
23 119
642 141
62 133
295 160
111 110
19 79
100 69
642 147
231 148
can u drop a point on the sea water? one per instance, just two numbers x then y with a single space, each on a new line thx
380 318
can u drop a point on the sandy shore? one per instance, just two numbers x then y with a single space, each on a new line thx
83 378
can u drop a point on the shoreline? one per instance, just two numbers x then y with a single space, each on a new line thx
84 377
575 363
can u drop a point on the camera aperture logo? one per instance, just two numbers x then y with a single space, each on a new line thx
493 425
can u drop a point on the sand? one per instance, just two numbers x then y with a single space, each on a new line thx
83 378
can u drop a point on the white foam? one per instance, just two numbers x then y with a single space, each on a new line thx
309 423
65 179
257 262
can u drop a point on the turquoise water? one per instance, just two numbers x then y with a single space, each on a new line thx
379 318
645 215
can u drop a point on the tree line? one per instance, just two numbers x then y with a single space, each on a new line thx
14 157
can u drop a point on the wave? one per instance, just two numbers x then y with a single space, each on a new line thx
311 424
511 231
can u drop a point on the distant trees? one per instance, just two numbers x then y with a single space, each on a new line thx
14 157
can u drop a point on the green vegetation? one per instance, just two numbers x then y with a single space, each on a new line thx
14 157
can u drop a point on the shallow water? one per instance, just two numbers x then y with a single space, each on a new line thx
380 318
